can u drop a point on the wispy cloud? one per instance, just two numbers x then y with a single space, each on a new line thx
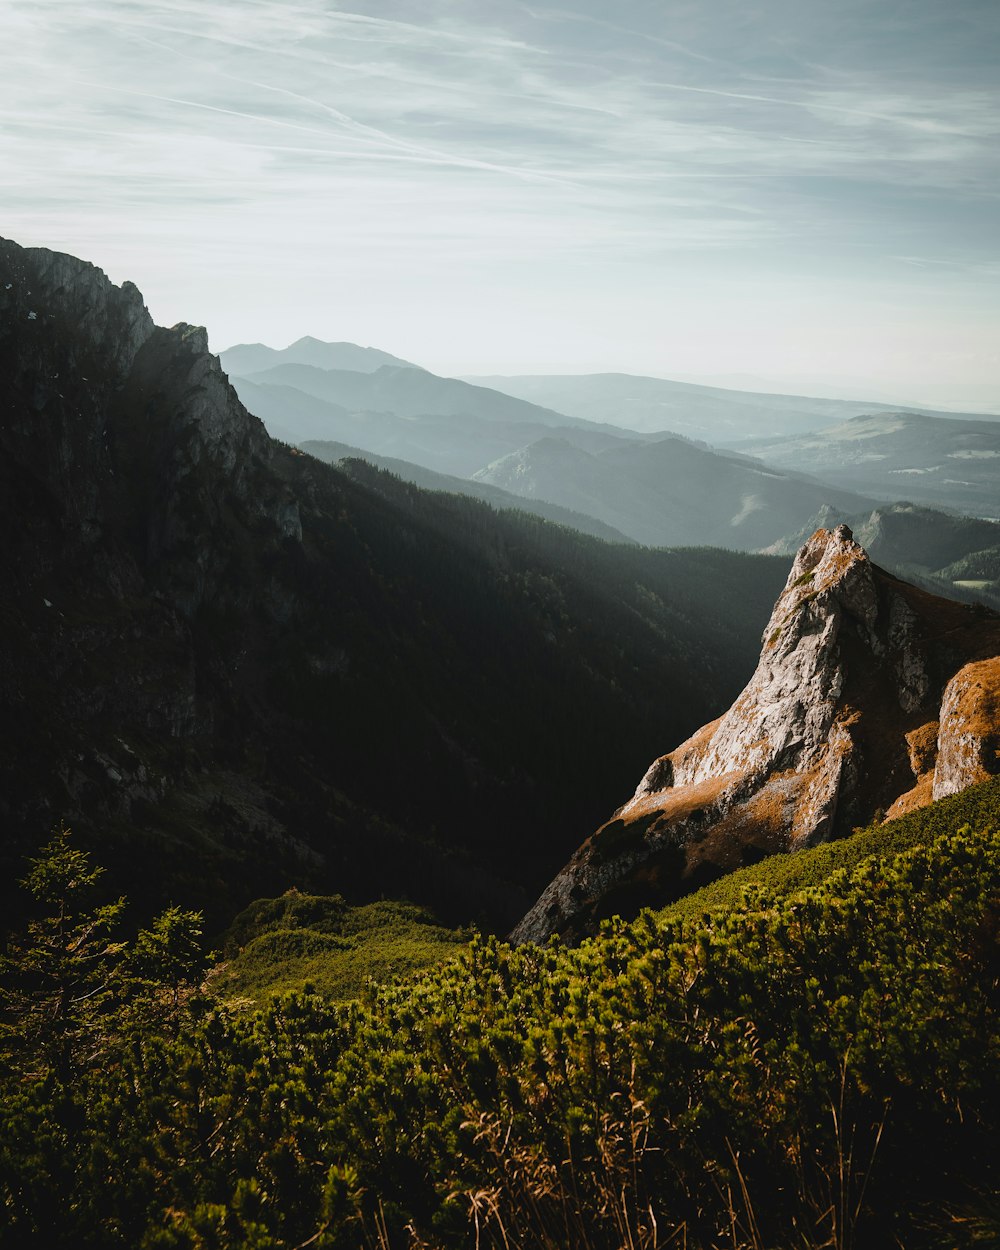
484 140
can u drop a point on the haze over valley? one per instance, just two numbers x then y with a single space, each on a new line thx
762 466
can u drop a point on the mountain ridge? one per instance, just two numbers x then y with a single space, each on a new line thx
427 479
719 414
410 392
252 357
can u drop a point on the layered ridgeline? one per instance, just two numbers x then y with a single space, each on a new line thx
670 490
871 696
247 358
347 458
719 414
654 486
233 668
397 410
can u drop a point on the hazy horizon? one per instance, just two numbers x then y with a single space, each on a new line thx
806 386
797 193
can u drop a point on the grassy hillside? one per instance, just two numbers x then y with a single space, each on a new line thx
306 941
321 943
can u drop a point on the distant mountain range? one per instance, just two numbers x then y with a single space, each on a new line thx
943 461
407 392
604 453
714 414
647 483
651 488
670 491
409 414
342 455
253 357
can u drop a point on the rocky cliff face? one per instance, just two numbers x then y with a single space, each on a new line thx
232 668
128 468
869 695
197 623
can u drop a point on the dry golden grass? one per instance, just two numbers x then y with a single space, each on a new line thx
920 796
978 705
923 745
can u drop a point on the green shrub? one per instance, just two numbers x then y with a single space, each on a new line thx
811 1068
282 944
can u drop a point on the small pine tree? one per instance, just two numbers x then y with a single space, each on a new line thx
69 985
58 978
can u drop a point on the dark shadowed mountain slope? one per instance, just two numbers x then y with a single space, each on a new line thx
716 414
945 462
669 492
235 668
869 696
342 455
253 357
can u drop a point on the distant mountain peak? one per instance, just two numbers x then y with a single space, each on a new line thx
247 358
869 695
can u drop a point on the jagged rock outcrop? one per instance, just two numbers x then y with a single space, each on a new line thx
869 695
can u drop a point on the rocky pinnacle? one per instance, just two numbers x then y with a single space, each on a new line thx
869 696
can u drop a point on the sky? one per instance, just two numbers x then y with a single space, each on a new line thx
787 194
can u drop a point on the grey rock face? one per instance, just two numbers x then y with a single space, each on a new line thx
58 289
822 736
784 715
969 731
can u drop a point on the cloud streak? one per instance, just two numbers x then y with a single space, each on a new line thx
483 141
